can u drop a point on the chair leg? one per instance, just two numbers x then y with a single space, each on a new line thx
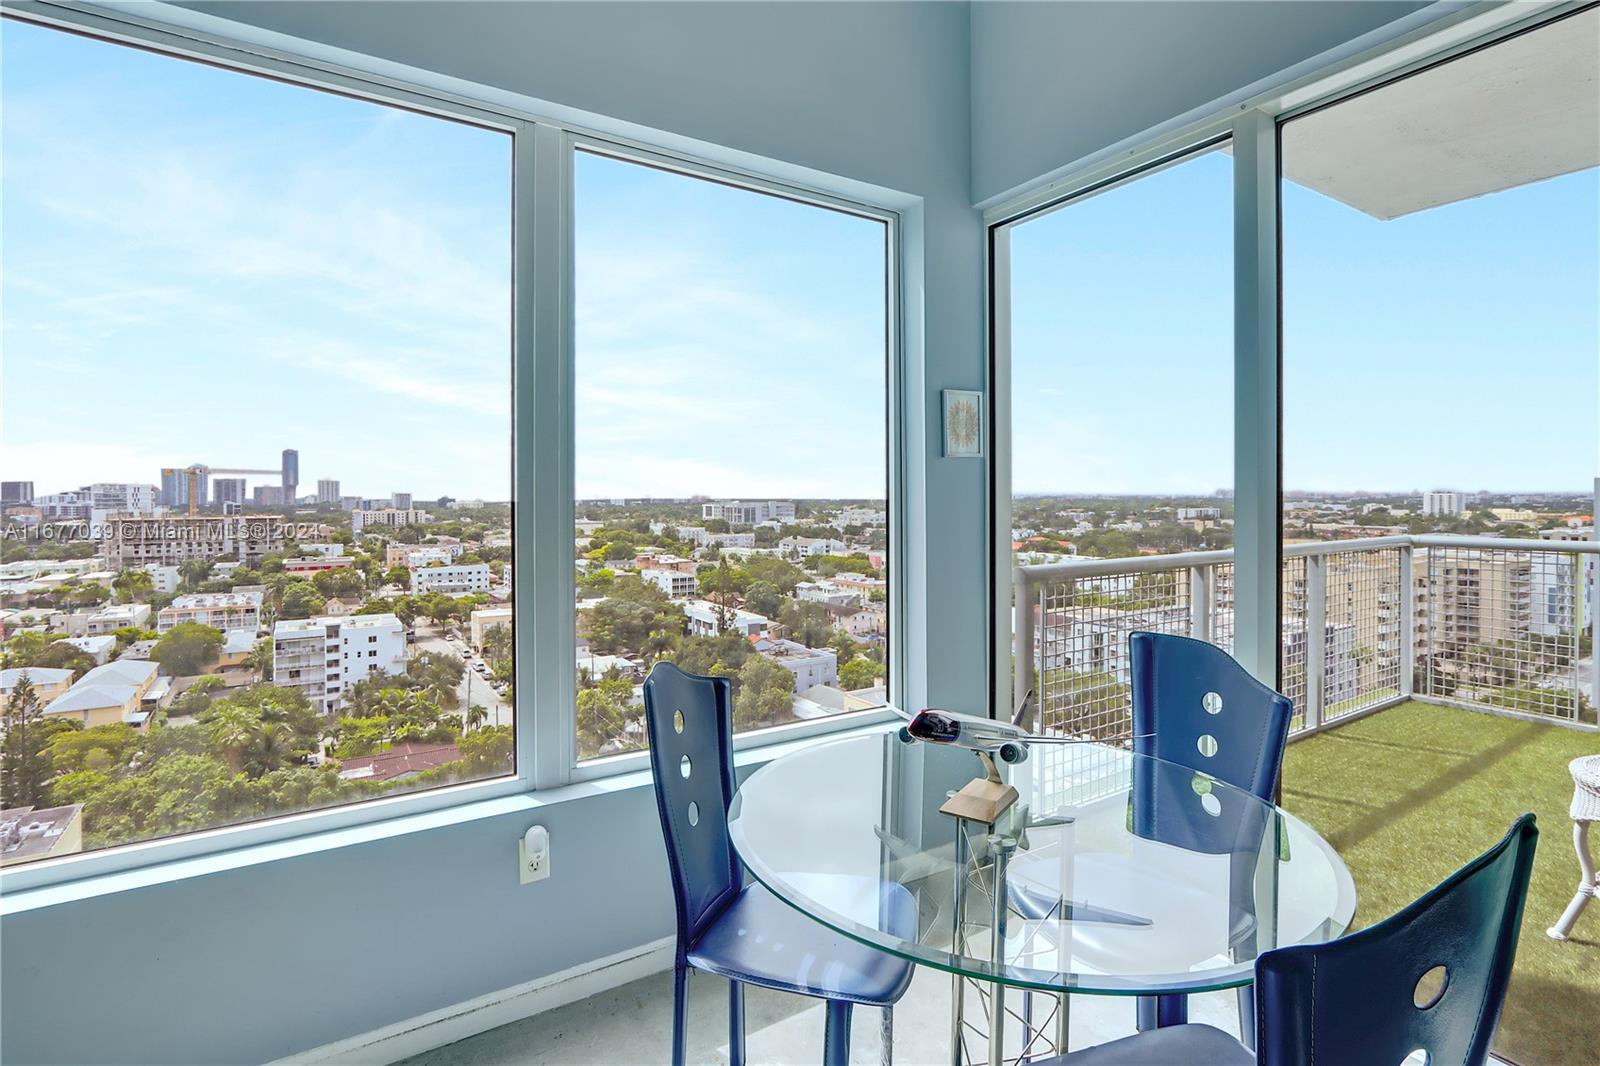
836 1034
886 1038
1156 1012
680 1012
735 1023
1247 1015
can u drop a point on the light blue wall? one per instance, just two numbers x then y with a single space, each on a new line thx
1054 82
260 962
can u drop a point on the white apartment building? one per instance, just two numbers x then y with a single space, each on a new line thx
827 593
810 666
806 547
115 617
1441 502
332 549
469 577
219 610
1189 514
674 583
420 557
327 490
704 618
387 517
166 579
322 657
746 513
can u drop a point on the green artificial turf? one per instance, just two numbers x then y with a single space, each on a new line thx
1410 794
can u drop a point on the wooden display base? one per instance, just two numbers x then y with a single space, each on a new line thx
983 799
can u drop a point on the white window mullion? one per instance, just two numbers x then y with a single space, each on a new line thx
546 676
1256 452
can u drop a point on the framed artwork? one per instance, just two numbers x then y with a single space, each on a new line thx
963 424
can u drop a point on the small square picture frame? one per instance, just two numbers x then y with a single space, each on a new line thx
963 423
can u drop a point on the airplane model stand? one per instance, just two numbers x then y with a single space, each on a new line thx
977 806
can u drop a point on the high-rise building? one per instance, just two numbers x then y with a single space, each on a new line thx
227 490
327 490
175 485
400 500
1441 502
16 492
291 475
268 496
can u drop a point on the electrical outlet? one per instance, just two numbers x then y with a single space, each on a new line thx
533 855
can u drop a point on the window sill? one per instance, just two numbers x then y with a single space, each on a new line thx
312 843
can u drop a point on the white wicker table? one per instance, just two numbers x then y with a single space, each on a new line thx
1585 810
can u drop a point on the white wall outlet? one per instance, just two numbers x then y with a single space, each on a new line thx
533 855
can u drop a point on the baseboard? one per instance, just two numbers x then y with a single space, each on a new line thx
449 1024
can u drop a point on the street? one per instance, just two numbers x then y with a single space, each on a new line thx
474 687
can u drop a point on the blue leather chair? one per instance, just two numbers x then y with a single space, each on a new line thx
1378 995
1194 705
740 932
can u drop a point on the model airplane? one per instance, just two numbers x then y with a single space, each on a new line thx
1007 740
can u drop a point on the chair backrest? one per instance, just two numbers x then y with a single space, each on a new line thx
1373 996
690 723
1190 698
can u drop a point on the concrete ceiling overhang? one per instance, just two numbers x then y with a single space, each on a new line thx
1520 111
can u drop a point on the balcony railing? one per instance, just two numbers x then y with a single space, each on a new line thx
1482 622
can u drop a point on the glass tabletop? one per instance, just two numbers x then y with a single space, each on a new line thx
1119 874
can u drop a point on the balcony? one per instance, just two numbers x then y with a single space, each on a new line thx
1415 729
1357 635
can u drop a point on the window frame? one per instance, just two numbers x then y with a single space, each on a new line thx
627 151
1251 120
541 374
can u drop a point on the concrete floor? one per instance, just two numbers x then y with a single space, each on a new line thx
632 1026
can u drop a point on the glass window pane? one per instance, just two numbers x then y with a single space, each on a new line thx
731 435
257 428
1441 378
1122 430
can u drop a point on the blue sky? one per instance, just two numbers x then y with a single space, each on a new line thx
205 266
1456 347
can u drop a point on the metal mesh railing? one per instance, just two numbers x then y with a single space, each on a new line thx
1293 626
1362 630
1501 629
1364 624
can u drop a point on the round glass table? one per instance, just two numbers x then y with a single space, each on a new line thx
1112 874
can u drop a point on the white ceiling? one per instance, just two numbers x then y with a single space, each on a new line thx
1520 111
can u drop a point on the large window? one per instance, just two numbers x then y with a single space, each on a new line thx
257 444
1441 415
731 466
1121 443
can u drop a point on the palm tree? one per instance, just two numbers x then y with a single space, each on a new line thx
273 744
259 659
477 716
234 730
133 585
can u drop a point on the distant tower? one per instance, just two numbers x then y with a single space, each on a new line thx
291 475
327 491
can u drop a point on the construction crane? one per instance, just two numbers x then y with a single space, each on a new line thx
194 479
